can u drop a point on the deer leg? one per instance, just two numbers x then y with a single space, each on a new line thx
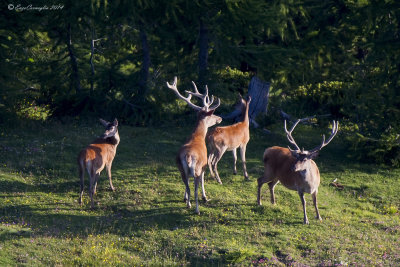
260 183
185 179
243 156
234 160
196 191
186 197
184 176
314 197
216 160
303 201
82 184
97 175
210 160
204 197
108 167
266 178
271 190
92 189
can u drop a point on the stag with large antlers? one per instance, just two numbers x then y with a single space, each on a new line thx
229 138
192 156
295 169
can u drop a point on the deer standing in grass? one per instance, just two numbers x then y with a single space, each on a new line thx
99 154
192 156
295 169
229 138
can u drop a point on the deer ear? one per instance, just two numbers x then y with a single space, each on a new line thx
293 152
115 122
248 99
209 113
314 155
105 123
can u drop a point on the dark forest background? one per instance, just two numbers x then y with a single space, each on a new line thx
112 59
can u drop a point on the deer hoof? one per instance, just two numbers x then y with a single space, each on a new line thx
205 200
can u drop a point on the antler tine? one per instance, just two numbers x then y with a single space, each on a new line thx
174 88
335 128
205 97
195 87
196 92
289 134
216 105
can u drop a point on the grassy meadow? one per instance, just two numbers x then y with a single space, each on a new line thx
145 222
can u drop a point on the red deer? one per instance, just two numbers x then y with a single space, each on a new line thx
229 138
99 154
295 169
192 156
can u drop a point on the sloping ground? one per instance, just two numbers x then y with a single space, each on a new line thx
146 222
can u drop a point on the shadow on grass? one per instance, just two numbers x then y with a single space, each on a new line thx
8 187
51 220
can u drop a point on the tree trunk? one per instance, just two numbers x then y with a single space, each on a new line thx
203 53
91 62
145 65
74 65
259 92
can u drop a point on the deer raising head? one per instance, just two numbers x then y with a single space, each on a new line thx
99 154
192 156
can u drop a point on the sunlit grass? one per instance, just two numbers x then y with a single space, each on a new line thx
145 222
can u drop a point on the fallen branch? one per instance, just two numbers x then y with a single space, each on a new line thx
130 104
288 117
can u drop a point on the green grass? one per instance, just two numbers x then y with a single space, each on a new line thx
145 222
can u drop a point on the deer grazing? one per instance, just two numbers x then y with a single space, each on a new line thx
99 154
295 169
192 156
229 138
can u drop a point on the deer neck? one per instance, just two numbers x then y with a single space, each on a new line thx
201 130
307 172
114 140
245 117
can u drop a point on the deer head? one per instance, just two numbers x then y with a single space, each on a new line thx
241 102
111 128
302 156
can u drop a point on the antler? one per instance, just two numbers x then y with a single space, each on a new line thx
335 128
289 135
206 99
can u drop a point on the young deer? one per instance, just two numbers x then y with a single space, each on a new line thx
295 169
192 156
229 138
99 154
